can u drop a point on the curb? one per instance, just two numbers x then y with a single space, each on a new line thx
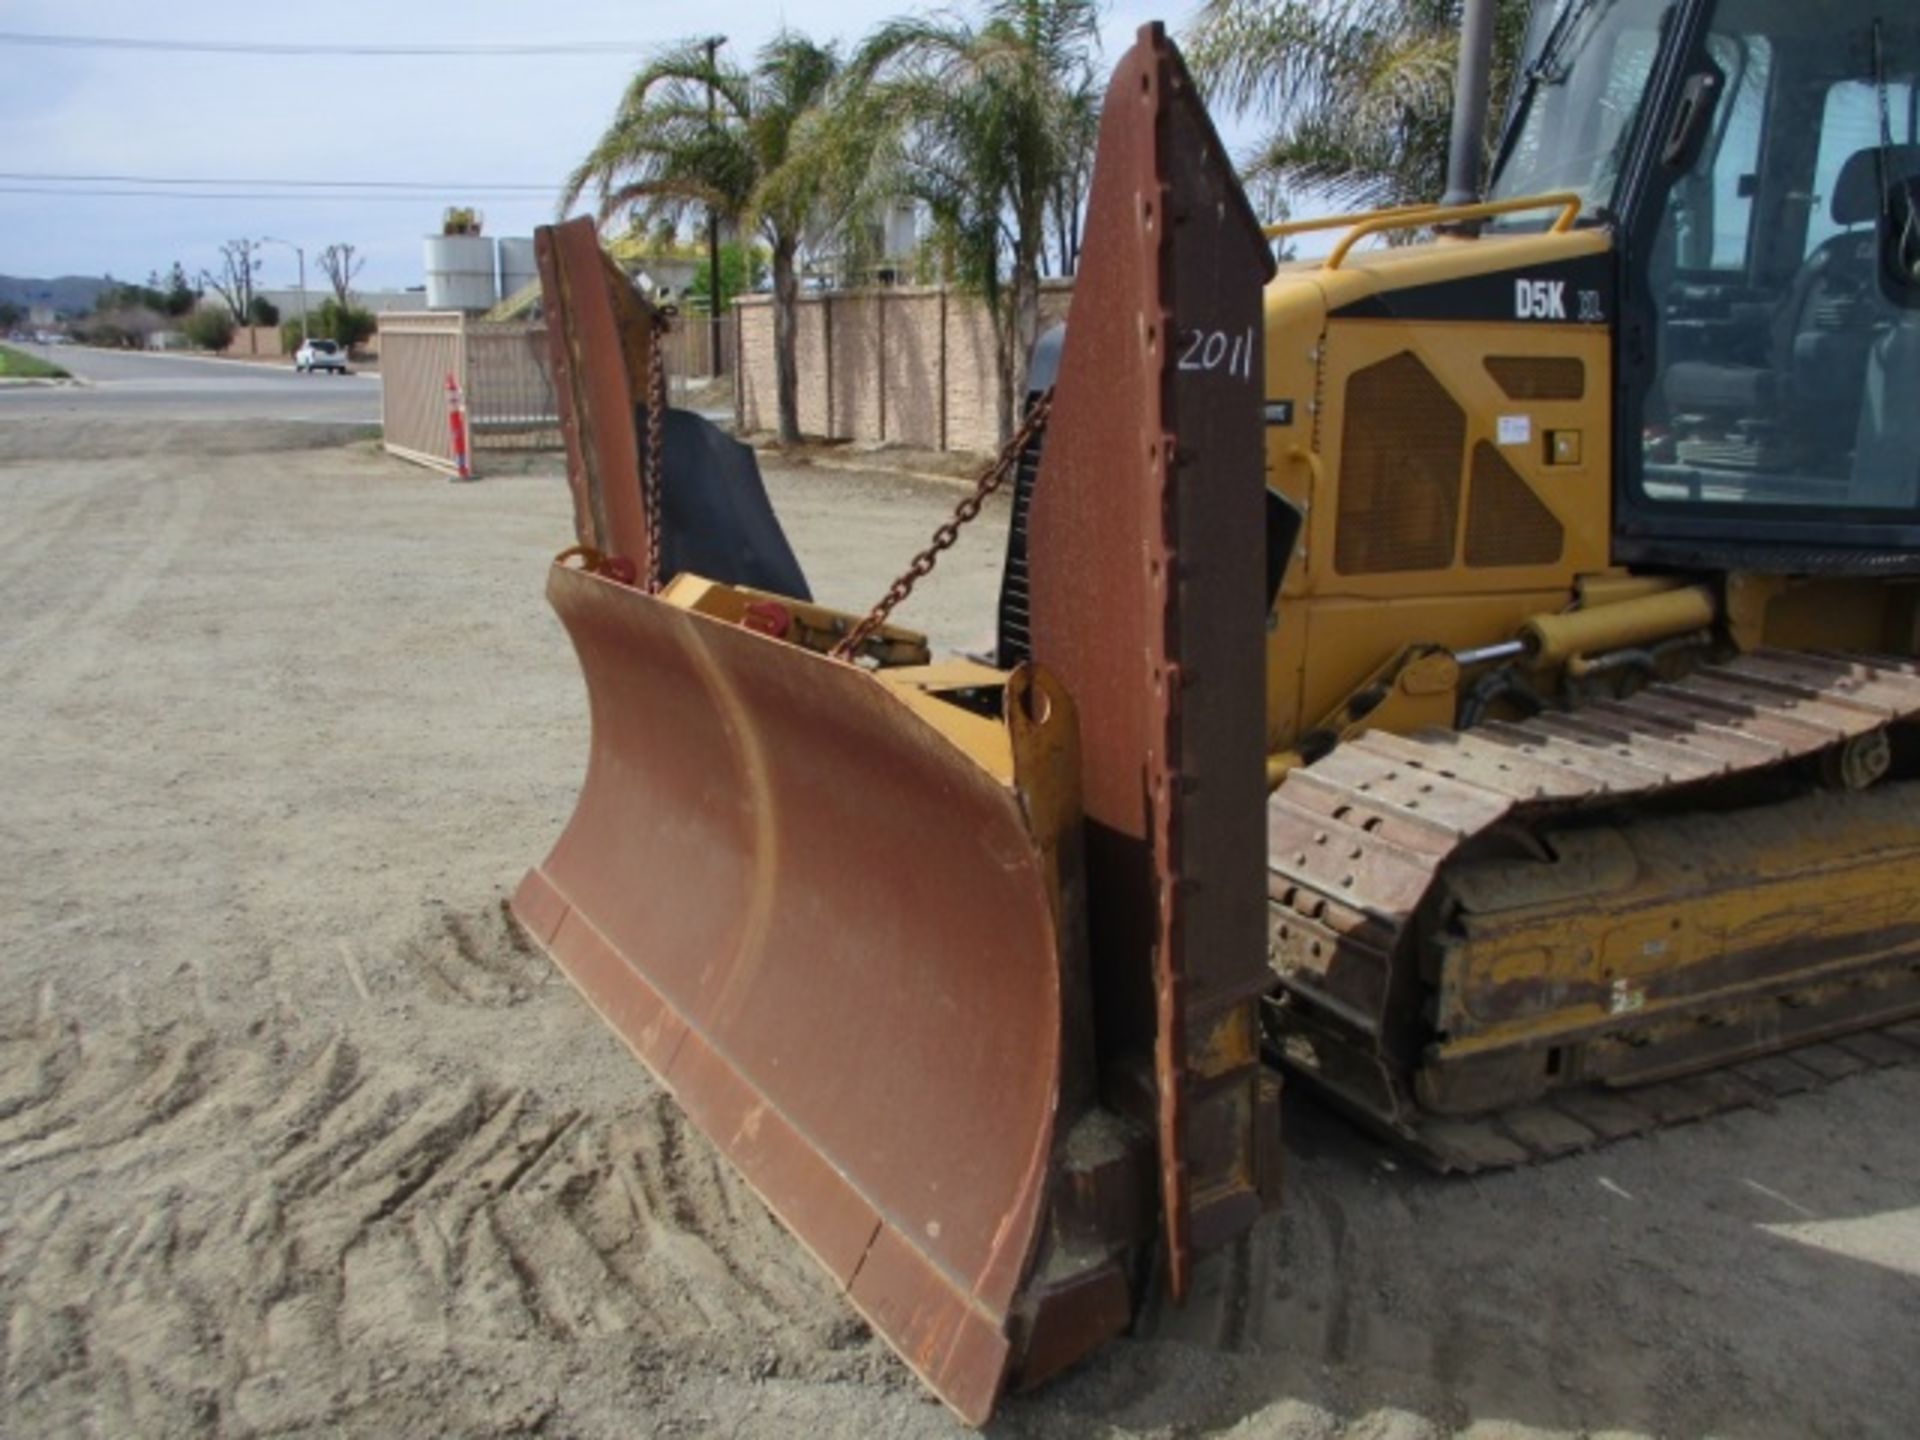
248 362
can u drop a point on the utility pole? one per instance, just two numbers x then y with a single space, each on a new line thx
301 256
714 366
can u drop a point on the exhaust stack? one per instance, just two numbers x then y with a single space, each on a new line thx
1473 79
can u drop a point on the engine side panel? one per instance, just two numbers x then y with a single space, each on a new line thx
1443 414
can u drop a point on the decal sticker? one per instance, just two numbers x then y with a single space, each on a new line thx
1540 299
1279 412
1516 429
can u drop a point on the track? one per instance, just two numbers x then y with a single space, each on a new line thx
1570 1121
1392 857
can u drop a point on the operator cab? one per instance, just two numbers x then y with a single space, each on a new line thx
1759 161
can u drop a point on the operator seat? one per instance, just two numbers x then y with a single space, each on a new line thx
1821 330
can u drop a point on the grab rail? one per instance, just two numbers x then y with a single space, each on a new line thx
1402 217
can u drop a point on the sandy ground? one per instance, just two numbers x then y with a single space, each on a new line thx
297 1136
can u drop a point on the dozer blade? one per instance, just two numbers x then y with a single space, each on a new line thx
841 911
831 931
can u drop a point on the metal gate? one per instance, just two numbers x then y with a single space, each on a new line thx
505 378
419 349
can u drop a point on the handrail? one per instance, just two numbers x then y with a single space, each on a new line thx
1570 206
1285 229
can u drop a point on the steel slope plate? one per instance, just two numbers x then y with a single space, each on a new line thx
1147 568
598 341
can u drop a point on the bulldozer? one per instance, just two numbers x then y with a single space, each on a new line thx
1471 675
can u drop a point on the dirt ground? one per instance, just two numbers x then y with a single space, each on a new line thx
296 1135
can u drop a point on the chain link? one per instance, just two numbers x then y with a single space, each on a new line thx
990 480
656 420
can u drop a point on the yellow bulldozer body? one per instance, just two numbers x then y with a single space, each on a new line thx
1628 888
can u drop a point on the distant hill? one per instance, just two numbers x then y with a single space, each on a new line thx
71 294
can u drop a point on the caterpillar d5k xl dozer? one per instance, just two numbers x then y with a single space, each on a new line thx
1591 693
1591 699
837 897
1586 540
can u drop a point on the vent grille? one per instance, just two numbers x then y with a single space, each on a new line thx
1015 644
1536 377
1507 524
1400 462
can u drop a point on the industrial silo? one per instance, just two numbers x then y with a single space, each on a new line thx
460 272
517 268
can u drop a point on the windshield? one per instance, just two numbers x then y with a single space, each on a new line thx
1578 92
1785 366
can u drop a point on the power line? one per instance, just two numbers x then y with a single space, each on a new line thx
465 187
91 192
249 47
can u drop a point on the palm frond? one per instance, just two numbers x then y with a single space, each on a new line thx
1358 93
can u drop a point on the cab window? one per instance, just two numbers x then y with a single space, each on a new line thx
1781 359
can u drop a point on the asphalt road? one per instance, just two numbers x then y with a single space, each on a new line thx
127 385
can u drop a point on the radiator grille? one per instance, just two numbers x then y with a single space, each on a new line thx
1507 524
1400 461
1539 377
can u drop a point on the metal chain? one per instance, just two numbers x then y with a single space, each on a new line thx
990 480
656 420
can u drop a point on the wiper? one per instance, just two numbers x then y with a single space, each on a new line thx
1558 36
1557 40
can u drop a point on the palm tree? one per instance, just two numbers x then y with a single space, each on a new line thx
1359 92
765 156
991 127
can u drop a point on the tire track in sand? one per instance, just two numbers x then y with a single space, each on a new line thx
215 1233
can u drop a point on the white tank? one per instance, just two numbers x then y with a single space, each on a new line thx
460 272
517 267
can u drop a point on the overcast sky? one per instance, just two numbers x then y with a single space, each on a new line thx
448 120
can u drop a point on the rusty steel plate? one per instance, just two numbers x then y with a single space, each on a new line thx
828 931
599 370
1147 573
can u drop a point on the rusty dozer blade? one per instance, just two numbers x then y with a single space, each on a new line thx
840 911
831 931
837 913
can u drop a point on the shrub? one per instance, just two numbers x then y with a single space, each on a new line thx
263 312
742 268
349 325
209 327
125 329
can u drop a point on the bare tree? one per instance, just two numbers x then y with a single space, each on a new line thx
340 265
239 263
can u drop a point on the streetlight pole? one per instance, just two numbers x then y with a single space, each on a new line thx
714 367
301 256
